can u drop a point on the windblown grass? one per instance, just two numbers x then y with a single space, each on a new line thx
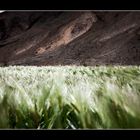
70 97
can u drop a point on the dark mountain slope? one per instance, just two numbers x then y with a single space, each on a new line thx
67 38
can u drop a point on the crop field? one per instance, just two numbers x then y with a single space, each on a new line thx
69 97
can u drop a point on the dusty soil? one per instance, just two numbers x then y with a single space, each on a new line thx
70 38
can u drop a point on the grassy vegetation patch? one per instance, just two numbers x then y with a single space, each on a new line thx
70 97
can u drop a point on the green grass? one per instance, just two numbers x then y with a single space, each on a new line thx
70 97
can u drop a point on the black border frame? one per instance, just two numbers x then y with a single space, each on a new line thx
70 5
70 134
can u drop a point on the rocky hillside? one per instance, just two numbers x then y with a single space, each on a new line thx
69 38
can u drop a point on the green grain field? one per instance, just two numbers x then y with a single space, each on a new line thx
69 97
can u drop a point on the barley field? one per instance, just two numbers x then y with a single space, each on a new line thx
69 97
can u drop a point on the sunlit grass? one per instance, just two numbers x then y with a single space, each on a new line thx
70 97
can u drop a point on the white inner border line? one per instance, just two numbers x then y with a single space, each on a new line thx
70 10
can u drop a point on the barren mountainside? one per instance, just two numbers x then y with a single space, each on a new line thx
70 38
